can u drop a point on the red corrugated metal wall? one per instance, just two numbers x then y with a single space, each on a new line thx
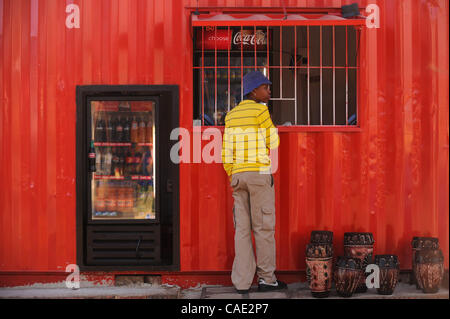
390 179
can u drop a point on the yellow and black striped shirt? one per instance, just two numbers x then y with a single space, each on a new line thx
249 134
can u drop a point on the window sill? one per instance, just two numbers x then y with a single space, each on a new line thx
299 128
314 128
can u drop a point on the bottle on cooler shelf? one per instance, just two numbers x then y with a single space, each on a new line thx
109 130
129 198
100 205
121 154
103 163
134 131
100 129
128 169
121 194
149 133
115 163
137 162
126 130
98 162
111 201
119 130
108 162
142 130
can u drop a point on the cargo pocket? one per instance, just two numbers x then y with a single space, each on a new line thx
234 182
268 219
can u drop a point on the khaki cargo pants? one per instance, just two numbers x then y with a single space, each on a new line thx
254 209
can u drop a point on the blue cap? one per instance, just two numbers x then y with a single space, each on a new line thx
253 80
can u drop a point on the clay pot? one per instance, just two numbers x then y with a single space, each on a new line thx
319 268
321 237
360 246
419 243
389 271
429 269
347 275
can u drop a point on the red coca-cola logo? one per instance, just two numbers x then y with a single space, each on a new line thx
221 39
250 38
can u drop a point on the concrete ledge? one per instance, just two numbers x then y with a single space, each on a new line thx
160 292
298 290
302 291
402 291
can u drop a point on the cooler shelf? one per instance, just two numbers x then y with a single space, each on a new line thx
131 177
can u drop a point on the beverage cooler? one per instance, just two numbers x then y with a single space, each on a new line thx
127 185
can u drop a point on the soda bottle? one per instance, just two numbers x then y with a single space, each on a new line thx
100 205
149 133
121 161
137 162
115 163
103 162
111 201
142 131
121 198
109 130
126 130
134 131
119 130
98 162
99 129
92 157
108 162
129 158
129 198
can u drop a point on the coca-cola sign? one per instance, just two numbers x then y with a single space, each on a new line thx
249 38
222 39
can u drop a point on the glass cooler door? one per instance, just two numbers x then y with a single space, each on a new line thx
122 186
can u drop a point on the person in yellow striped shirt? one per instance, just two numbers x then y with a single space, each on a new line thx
248 137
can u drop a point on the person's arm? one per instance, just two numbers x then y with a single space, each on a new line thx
265 122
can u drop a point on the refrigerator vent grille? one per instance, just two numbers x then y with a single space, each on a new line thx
119 245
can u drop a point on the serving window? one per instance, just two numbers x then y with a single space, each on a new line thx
313 69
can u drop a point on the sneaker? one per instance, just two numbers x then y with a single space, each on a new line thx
242 291
263 286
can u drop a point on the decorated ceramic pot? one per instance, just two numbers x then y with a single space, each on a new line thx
319 268
419 243
429 269
321 237
347 275
360 246
389 270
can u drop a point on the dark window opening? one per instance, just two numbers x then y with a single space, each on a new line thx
313 69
